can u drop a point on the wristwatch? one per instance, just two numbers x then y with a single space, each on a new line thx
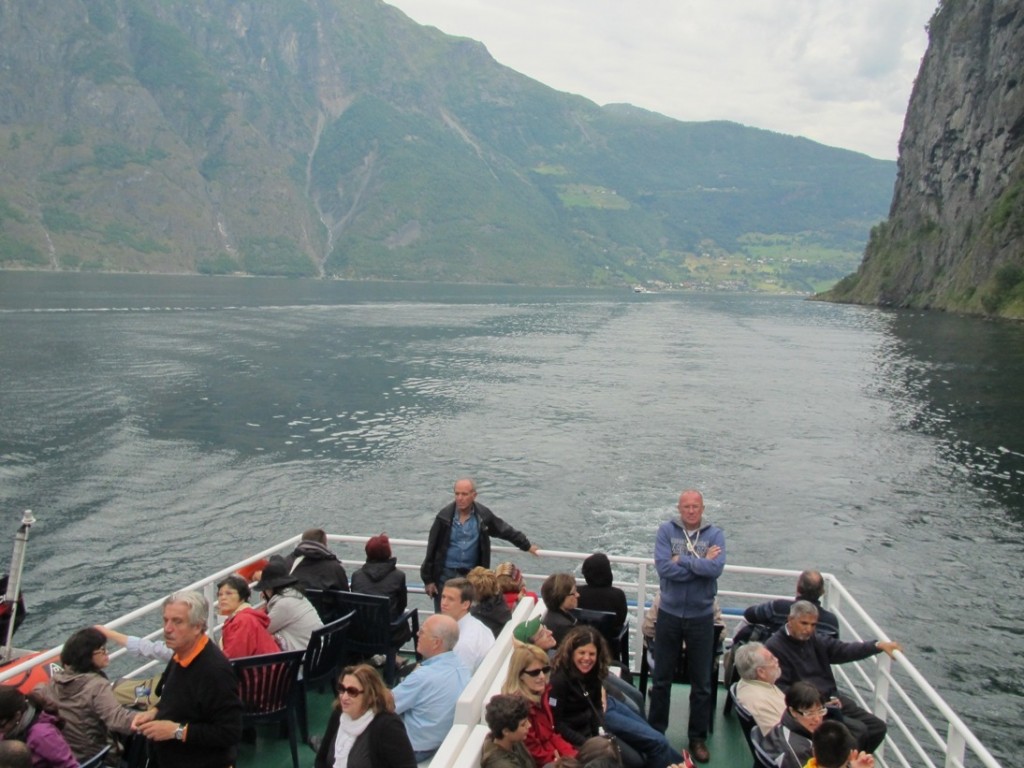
179 733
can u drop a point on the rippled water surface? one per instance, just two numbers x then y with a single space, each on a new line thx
160 427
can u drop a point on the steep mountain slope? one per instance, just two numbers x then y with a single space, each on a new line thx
337 137
954 238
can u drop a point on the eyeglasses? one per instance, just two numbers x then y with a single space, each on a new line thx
102 651
535 672
349 691
812 712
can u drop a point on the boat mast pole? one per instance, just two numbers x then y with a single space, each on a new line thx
14 577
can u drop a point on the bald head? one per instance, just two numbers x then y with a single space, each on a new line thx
691 508
465 495
438 635
810 585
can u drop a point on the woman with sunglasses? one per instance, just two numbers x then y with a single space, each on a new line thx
791 738
84 697
361 732
582 709
528 675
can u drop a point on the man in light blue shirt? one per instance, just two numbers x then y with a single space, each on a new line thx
426 698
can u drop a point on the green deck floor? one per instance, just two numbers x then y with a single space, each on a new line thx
727 745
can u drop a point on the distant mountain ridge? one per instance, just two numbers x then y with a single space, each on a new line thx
954 238
339 138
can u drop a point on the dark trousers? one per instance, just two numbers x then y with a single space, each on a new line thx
868 730
669 635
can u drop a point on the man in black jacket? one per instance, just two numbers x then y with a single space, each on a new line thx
774 614
314 565
806 656
460 542
198 721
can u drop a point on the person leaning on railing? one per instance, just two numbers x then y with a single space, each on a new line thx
805 655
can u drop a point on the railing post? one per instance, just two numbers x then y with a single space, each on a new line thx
956 747
210 593
641 611
882 694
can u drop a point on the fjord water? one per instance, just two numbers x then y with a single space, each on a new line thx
160 427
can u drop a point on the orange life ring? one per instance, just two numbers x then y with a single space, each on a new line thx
248 571
30 678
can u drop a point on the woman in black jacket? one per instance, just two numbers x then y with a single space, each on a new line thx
360 730
582 708
380 576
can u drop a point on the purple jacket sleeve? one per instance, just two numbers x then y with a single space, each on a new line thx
47 745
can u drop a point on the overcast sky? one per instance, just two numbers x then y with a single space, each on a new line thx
836 71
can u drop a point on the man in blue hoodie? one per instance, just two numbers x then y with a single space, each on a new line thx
689 554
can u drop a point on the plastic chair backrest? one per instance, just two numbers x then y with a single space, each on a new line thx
607 623
743 715
324 652
762 757
370 630
266 683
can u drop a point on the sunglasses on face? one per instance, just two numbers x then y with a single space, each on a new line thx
535 672
349 691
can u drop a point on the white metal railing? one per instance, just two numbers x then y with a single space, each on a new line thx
894 690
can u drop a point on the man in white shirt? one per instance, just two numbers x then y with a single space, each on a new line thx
475 639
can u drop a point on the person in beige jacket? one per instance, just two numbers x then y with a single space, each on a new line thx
84 697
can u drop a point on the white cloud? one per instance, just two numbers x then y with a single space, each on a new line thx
836 72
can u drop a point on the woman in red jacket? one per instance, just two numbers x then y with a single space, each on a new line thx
528 671
245 630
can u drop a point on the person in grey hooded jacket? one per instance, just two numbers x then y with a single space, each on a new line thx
293 619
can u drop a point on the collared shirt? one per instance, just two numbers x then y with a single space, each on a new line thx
184 661
426 699
765 702
464 545
475 640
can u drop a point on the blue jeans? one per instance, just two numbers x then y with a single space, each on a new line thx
627 725
670 633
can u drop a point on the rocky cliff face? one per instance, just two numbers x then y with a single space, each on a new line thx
954 238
